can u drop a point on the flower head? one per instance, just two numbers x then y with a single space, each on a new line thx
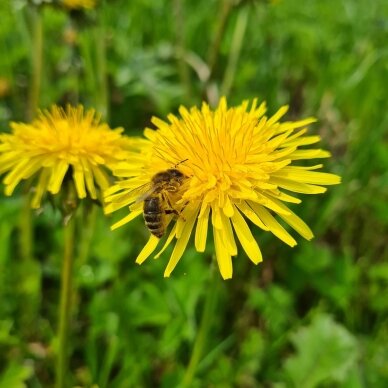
57 143
239 165
79 4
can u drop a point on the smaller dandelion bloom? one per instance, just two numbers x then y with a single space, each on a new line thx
62 143
238 165
79 4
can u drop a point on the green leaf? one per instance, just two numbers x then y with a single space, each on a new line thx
325 351
15 376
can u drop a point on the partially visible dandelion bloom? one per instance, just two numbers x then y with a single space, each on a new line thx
62 143
79 4
239 165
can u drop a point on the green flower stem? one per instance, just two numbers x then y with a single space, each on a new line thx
65 304
89 225
36 61
25 226
26 240
213 56
101 88
30 279
74 70
180 47
200 341
234 54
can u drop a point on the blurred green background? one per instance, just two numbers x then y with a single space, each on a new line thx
312 316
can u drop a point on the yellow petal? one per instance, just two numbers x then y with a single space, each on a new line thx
126 219
57 174
190 212
280 154
224 259
306 140
41 188
79 181
298 187
111 207
309 154
101 177
311 177
228 207
167 243
266 201
24 170
148 249
272 224
227 235
247 241
251 215
181 243
275 142
280 113
284 197
201 229
89 179
216 217
158 123
14 177
296 222
298 124
315 167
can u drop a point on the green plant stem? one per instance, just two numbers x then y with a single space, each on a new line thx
180 47
25 226
30 284
36 62
204 327
74 70
234 53
87 58
65 304
88 227
214 51
101 87
26 241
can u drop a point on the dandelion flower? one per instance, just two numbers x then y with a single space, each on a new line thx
79 4
240 166
62 143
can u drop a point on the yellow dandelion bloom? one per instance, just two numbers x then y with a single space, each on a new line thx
58 143
79 4
239 166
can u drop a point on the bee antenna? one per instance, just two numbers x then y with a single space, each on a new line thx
180 163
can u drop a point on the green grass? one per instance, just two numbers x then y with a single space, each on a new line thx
311 316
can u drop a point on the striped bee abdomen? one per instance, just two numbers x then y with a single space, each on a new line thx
154 215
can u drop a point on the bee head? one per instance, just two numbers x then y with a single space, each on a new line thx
175 174
167 176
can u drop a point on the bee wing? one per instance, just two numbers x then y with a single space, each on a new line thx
142 192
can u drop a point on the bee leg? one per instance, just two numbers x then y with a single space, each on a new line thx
171 210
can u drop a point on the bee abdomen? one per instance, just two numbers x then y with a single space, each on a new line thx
158 232
155 226
153 216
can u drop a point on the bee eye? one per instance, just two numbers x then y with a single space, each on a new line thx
176 173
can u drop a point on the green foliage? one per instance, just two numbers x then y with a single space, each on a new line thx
15 376
325 350
312 316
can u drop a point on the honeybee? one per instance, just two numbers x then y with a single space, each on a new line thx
160 198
